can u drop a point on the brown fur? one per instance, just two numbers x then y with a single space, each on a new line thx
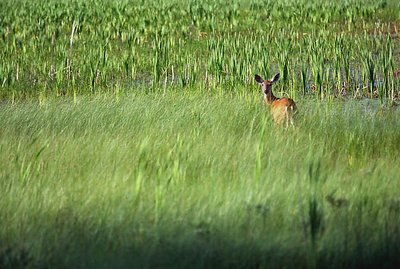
281 108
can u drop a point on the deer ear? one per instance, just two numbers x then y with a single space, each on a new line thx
258 79
275 78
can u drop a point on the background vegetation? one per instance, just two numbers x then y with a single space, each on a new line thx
324 47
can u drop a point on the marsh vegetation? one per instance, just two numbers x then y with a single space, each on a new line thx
133 135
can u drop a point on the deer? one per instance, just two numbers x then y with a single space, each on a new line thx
282 109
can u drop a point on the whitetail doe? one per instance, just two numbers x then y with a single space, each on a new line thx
281 108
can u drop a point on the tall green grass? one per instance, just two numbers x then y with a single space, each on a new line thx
200 181
345 47
132 134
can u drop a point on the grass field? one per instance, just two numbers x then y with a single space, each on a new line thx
132 135
198 181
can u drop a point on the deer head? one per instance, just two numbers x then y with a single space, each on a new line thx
266 85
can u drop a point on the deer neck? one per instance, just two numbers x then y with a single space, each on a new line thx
269 97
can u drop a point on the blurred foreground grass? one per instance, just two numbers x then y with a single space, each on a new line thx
151 181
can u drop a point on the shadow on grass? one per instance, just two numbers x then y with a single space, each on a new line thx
77 245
